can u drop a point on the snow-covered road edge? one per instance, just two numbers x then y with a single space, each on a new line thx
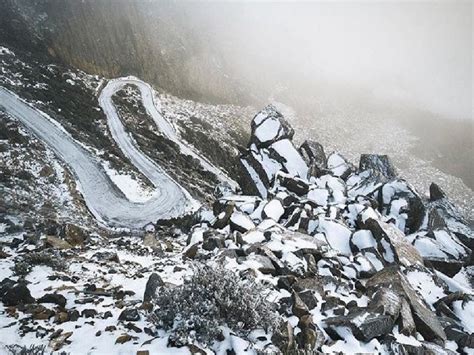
153 107
105 201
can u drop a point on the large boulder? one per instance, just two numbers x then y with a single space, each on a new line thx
269 126
448 214
339 166
392 244
365 324
400 201
379 165
74 234
436 193
154 281
313 153
18 294
443 250
426 321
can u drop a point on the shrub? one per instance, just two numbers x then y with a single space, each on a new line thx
211 298
28 261
26 350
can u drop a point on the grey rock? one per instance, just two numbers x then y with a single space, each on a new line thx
386 301
425 319
18 294
313 153
436 193
392 242
154 281
55 298
365 325
379 165
129 315
299 308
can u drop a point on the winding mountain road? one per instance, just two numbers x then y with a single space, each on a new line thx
103 198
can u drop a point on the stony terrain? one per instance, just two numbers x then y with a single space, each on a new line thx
343 258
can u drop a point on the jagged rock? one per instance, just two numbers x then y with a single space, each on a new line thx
425 320
365 325
435 220
310 283
106 256
57 243
5 285
191 251
273 209
443 250
379 165
18 294
265 265
251 237
293 184
308 298
55 298
241 222
453 220
392 244
313 153
223 189
279 266
436 193
154 281
406 322
299 308
129 315
89 313
337 234
286 281
361 240
74 234
57 343
214 242
339 166
284 338
435 349
270 126
286 155
386 301
403 203
223 215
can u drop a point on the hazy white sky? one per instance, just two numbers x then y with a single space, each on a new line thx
416 52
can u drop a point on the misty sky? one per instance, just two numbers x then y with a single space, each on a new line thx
418 53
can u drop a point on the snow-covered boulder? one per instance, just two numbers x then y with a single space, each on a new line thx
269 126
339 166
273 209
392 244
379 165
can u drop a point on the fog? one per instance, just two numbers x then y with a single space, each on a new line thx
404 53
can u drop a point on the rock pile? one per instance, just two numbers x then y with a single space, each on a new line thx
353 258
353 255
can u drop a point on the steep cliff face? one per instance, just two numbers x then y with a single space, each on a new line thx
152 40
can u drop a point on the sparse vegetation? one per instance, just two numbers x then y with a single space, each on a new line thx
210 299
16 349
28 261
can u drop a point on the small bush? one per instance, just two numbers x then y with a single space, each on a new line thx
26 350
28 261
211 298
